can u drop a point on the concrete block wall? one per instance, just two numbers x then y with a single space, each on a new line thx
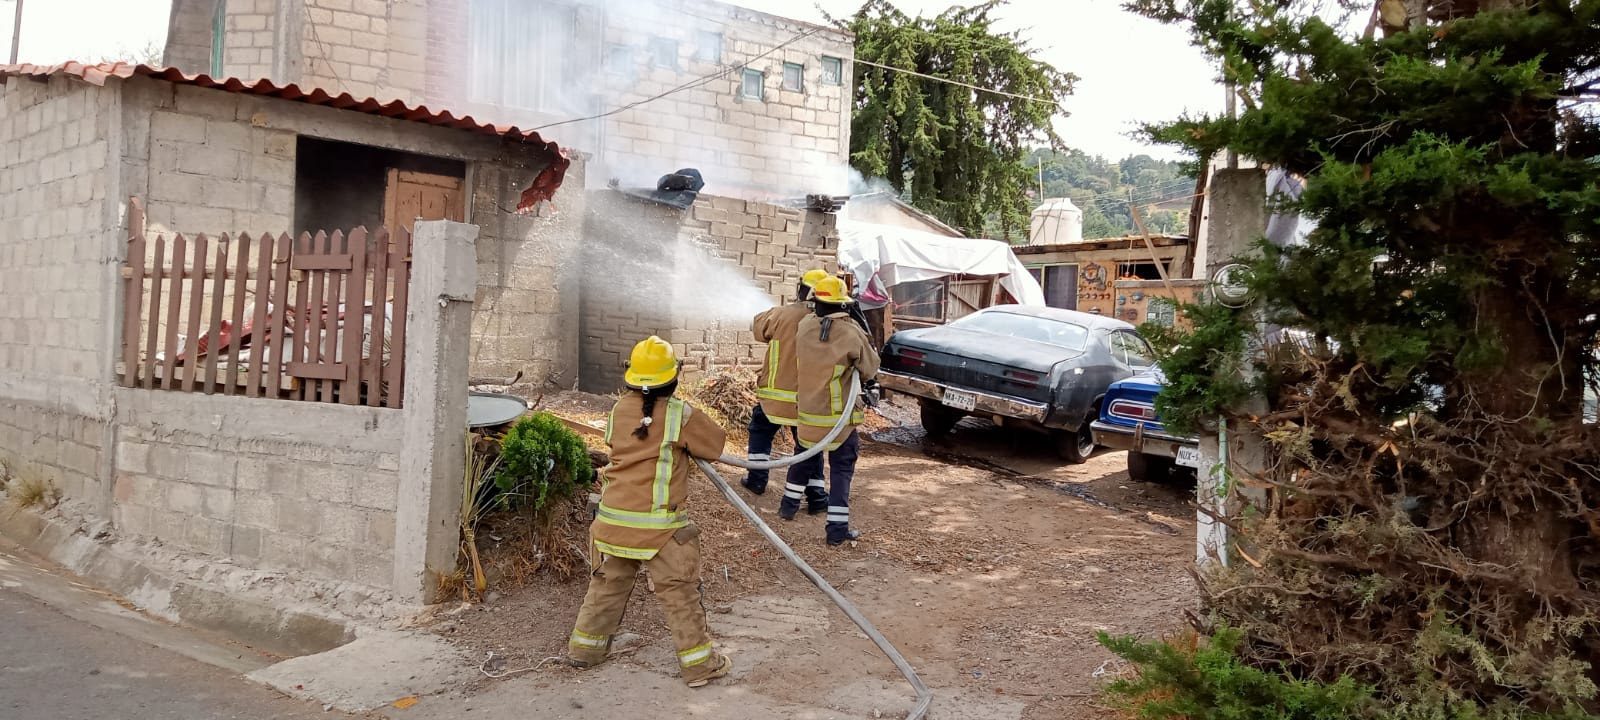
298 486
368 48
56 246
309 487
202 165
649 267
251 32
63 446
762 242
789 143
189 31
629 264
530 272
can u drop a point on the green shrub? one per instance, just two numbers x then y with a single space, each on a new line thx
542 462
1208 682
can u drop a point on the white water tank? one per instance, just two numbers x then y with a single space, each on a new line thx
1055 222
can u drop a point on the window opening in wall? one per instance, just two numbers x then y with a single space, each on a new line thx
832 70
219 31
1142 271
794 77
520 52
619 60
340 186
1162 312
664 52
752 83
923 300
1060 285
709 47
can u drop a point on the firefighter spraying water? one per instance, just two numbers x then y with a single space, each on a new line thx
653 436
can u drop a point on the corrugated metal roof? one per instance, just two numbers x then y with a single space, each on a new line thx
543 187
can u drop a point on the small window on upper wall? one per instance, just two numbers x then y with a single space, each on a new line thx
709 47
619 60
664 52
832 71
794 77
751 84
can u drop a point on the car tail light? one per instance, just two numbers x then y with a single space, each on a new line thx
1132 411
1025 379
912 358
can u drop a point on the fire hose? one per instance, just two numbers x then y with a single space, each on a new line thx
924 696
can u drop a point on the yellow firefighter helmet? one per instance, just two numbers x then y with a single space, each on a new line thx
653 363
831 290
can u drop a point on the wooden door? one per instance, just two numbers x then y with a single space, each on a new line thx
412 196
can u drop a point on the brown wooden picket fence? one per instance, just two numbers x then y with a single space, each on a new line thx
319 318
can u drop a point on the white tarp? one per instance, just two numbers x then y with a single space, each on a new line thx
882 256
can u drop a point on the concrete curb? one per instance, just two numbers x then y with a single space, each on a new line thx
274 630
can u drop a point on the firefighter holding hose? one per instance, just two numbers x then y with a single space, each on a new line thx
829 345
775 393
654 438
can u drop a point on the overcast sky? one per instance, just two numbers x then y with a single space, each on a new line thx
1131 69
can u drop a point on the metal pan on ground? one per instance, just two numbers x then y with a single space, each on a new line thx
491 409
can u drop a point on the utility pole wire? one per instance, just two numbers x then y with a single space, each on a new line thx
948 81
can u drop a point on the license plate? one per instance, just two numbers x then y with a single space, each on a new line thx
1189 457
960 400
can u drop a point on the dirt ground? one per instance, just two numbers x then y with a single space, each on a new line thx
990 564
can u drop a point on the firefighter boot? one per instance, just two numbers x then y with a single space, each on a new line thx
841 471
797 485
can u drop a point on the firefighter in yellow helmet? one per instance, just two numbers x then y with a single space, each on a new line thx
775 389
830 345
653 437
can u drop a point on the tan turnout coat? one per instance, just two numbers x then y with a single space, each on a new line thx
779 376
644 488
824 371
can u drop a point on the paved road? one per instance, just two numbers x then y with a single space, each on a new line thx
53 667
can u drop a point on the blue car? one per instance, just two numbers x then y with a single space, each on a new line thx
1128 422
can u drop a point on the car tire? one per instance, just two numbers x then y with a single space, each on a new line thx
1074 446
1149 468
938 420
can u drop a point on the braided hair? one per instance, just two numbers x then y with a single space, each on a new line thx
650 396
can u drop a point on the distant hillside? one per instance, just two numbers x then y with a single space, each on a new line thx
1101 188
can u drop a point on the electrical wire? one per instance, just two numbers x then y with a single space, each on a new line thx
957 83
1116 204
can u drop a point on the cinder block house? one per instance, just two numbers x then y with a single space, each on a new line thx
757 101
304 485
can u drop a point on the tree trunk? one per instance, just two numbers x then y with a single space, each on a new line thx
1514 527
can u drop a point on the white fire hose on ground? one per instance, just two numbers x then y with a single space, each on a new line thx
924 696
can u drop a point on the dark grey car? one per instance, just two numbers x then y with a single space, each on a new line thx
1037 367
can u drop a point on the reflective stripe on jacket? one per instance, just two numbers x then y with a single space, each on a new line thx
644 488
777 383
824 372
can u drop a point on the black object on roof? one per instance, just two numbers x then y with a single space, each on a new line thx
676 189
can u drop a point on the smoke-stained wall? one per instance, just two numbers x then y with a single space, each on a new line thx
694 277
759 103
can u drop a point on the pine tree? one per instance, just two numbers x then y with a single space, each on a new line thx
956 151
1434 524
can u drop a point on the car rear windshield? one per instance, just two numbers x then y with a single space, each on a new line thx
1037 329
